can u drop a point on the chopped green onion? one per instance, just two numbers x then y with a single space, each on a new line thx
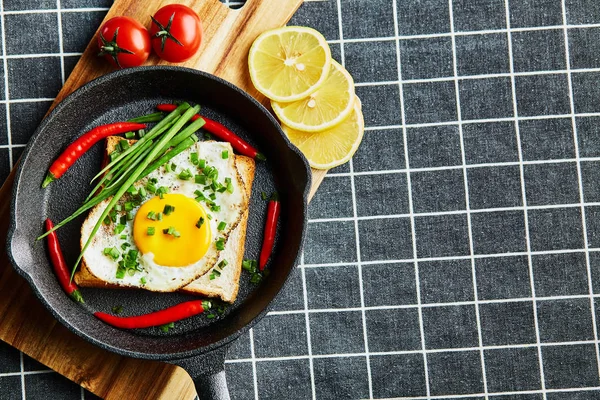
129 135
128 206
142 192
117 309
168 209
153 180
223 263
114 155
120 273
124 144
264 196
212 196
185 174
173 167
200 222
118 207
256 278
151 215
159 216
162 191
123 220
214 274
171 231
150 231
123 237
229 187
215 208
119 228
209 216
200 179
165 328
113 252
210 316
194 158
129 216
143 280
225 155
141 133
107 220
201 163
221 225
124 246
151 188
208 136
220 244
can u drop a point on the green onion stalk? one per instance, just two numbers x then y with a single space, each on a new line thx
160 148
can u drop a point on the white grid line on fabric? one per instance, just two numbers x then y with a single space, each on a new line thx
6 89
411 207
479 76
435 305
447 258
480 121
25 373
468 166
356 232
524 199
54 10
465 33
21 365
413 352
307 322
467 198
60 42
456 212
42 55
253 355
580 183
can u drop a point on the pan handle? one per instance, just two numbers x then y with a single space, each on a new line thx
208 373
212 387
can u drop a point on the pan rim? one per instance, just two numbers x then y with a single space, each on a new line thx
13 226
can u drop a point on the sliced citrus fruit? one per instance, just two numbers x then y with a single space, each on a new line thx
289 63
332 147
323 109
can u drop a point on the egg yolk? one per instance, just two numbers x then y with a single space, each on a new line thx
176 240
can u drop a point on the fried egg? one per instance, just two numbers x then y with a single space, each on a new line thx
172 228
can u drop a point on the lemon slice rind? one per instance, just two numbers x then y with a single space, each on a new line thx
297 114
327 142
268 85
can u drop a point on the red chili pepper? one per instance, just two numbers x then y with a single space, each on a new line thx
273 211
162 317
83 144
60 266
222 133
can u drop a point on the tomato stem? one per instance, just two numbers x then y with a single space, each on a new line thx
112 48
165 32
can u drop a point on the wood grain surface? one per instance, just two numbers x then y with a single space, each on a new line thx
24 322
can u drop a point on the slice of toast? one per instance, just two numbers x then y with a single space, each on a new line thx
224 286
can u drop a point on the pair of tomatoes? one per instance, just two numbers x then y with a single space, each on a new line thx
175 35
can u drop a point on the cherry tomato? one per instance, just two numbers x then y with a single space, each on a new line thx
124 42
176 32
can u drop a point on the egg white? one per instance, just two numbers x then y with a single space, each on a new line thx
157 277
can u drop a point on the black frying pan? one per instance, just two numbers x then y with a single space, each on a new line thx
197 344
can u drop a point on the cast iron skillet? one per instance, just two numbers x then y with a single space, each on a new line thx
197 344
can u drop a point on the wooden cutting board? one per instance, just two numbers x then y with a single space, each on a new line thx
24 322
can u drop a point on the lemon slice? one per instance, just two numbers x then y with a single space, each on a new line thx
332 147
289 63
323 109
